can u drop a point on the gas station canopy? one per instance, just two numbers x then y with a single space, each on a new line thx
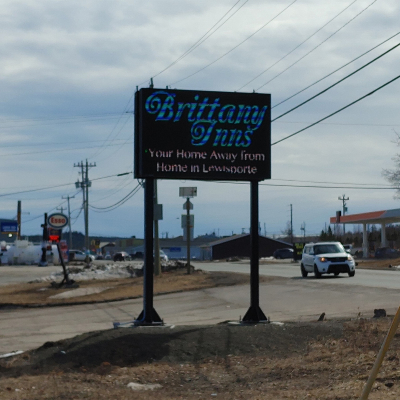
374 217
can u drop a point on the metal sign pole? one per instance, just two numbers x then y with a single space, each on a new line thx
254 313
188 235
66 281
149 315
43 259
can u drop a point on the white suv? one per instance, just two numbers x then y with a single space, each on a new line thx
326 258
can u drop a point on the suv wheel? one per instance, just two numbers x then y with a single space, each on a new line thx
352 273
316 272
304 273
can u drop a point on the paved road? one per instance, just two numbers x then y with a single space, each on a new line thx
25 273
367 278
282 299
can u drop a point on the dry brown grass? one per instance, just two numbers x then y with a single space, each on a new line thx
117 289
372 263
328 369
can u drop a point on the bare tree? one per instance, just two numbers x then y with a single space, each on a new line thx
288 231
393 175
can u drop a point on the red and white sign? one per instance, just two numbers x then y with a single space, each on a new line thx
57 221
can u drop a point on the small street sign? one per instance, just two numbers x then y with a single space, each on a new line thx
190 206
184 221
187 191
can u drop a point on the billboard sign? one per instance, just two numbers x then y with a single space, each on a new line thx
298 250
9 227
204 135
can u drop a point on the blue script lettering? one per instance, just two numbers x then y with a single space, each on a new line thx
205 118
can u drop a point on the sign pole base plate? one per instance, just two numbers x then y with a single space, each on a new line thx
253 315
152 319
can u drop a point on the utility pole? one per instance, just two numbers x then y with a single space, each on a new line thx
19 220
291 223
303 228
61 210
344 199
85 184
69 220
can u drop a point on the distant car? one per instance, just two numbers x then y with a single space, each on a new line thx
79 255
163 256
122 256
139 255
348 247
386 252
107 257
326 258
99 257
283 253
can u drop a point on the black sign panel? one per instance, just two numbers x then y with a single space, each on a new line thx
298 250
187 134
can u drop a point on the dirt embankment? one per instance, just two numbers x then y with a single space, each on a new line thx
327 360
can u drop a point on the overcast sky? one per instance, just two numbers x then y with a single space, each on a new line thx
69 71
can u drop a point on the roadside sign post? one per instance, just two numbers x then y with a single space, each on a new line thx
188 192
188 235
254 313
56 222
43 260
149 315
201 135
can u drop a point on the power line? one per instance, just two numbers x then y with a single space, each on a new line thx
117 188
338 111
108 137
119 203
329 187
62 185
26 123
320 44
120 145
50 143
336 70
336 83
41 215
59 150
203 38
79 214
337 123
310 186
187 52
235 47
295 48
325 182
